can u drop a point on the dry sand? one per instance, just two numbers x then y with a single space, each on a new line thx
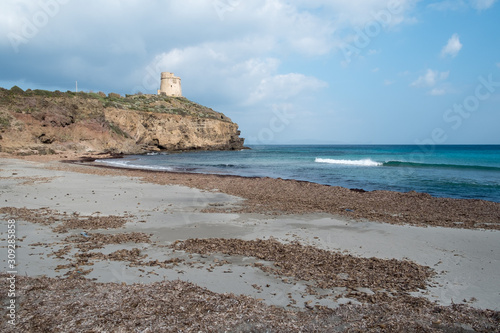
143 218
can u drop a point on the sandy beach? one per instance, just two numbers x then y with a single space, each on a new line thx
260 253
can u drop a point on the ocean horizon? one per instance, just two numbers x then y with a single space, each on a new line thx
455 171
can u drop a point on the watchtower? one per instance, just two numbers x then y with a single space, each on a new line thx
170 85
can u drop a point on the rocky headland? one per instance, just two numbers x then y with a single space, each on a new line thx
40 122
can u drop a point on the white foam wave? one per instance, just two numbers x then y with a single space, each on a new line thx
365 162
125 164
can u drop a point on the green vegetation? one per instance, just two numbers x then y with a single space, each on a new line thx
16 90
45 93
117 130
4 121
139 102
98 97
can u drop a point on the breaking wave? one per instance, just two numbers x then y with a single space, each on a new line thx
126 164
364 162
369 162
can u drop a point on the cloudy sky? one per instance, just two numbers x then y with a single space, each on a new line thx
297 71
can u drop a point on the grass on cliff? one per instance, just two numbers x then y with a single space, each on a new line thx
139 102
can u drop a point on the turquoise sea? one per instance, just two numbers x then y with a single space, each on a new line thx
458 171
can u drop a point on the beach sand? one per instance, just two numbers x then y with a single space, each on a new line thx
346 259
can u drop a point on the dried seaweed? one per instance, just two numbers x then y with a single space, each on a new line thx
46 216
386 277
79 305
98 240
91 223
43 216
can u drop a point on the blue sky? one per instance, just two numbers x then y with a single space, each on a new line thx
304 71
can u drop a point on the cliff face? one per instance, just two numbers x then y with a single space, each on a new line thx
176 132
42 122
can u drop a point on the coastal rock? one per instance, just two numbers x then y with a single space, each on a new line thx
96 123
177 132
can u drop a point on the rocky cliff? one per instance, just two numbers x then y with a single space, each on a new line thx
43 122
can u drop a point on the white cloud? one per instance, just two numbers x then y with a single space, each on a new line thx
177 23
498 64
435 81
356 13
444 75
430 78
13 13
437 92
300 27
388 82
461 4
284 87
482 4
448 5
452 47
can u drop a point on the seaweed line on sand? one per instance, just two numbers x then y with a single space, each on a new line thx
279 196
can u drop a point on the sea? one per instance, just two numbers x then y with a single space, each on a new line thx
456 171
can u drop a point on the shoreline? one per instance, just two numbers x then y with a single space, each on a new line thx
359 189
384 206
91 229
419 208
92 162
78 159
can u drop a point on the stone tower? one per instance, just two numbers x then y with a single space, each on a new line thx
170 85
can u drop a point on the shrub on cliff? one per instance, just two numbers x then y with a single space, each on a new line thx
16 90
4 121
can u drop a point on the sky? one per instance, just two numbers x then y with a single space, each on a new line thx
288 72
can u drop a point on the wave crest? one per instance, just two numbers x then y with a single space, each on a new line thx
126 164
364 162
439 165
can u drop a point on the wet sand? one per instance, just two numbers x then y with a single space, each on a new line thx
102 225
